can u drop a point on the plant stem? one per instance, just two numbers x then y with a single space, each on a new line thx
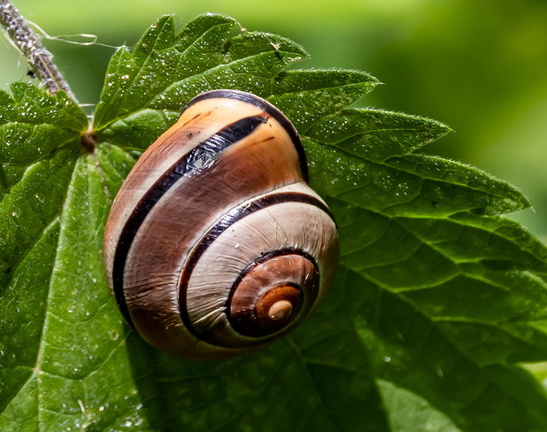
39 58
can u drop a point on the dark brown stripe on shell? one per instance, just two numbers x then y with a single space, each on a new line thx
199 158
267 107
225 222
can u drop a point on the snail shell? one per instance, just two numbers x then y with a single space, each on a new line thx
215 244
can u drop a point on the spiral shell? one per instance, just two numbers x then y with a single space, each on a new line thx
215 244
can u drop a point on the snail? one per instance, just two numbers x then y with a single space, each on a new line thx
215 244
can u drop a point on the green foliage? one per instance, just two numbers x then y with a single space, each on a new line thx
438 301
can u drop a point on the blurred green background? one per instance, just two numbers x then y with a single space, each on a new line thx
480 67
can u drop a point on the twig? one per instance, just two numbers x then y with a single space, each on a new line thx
39 58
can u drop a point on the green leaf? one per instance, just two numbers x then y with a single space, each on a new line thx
438 302
410 413
412 351
165 71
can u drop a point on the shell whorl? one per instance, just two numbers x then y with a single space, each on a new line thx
215 243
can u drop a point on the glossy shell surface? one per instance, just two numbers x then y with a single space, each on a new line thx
215 243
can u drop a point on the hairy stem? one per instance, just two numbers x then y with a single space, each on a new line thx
39 59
